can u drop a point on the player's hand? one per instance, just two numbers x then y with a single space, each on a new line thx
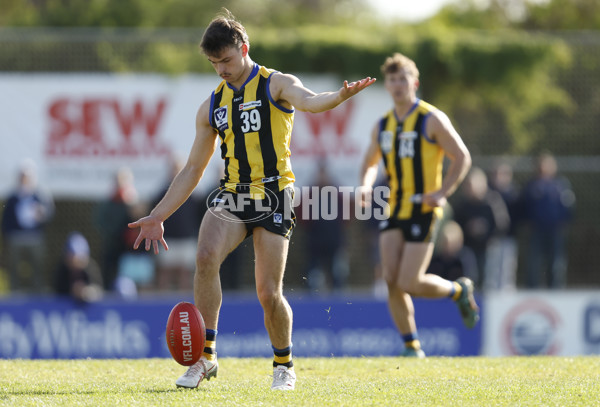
434 199
352 88
152 230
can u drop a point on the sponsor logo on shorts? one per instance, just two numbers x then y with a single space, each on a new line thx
271 179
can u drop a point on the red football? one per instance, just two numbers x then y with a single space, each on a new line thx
186 333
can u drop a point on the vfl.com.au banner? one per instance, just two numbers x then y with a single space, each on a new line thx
80 128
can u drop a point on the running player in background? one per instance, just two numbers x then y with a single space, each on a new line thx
412 139
251 112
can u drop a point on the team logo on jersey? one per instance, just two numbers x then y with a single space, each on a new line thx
221 118
385 141
250 105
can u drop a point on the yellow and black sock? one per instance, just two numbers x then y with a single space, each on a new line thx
411 341
283 357
210 346
456 291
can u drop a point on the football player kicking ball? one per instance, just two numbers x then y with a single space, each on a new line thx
412 139
251 112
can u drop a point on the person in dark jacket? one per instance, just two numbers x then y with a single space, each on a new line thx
25 214
482 215
547 202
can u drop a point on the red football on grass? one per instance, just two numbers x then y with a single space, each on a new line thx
186 333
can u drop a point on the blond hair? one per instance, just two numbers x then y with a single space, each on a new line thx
398 61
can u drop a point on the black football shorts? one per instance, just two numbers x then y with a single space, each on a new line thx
422 228
274 212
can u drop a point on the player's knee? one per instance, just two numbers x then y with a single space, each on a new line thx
268 296
390 277
409 286
207 258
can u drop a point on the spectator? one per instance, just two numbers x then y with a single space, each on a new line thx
482 215
501 268
78 276
547 202
26 213
175 267
111 218
452 258
328 266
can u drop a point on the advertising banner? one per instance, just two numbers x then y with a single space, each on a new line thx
60 328
80 128
542 323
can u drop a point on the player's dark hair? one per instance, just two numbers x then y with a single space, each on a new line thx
222 32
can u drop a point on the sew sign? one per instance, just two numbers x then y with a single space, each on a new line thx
104 127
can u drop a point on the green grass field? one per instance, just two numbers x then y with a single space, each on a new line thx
473 381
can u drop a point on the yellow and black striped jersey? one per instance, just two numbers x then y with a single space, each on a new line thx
413 162
255 134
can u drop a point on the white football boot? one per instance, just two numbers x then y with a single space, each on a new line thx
202 369
283 378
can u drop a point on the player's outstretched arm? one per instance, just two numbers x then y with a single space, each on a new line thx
151 226
288 90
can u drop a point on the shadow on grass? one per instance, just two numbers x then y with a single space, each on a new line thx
5 394
174 390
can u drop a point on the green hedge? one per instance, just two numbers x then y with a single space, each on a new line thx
495 84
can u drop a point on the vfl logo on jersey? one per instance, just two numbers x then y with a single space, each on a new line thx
221 118
385 141
250 105
277 218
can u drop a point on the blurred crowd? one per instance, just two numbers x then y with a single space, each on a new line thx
488 224
480 236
